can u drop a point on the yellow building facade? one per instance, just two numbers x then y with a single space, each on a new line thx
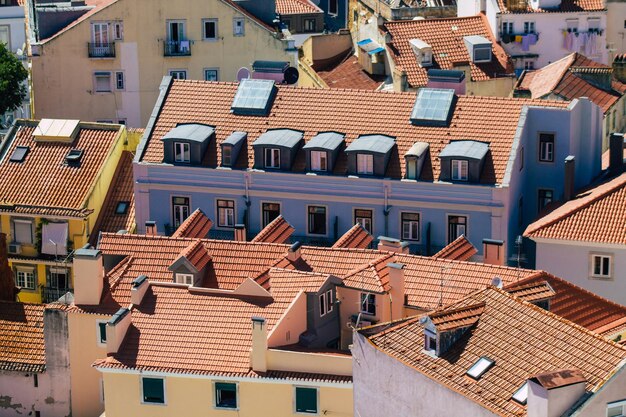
113 59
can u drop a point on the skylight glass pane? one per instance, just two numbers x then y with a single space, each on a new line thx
253 96
19 153
432 105
481 366
521 395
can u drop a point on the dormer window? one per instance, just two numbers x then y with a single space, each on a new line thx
414 160
272 158
423 52
459 170
319 161
322 151
276 149
226 156
231 147
184 279
364 164
478 48
479 368
463 160
430 341
369 154
181 152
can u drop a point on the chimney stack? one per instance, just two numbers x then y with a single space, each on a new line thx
258 355
552 393
294 253
88 276
493 252
138 289
396 282
570 173
116 329
390 244
616 154
240 232
151 228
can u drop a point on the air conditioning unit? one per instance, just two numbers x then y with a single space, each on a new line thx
15 248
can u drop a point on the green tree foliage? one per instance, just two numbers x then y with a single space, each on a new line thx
12 76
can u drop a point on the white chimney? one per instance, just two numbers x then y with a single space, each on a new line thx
552 393
138 289
396 282
88 276
294 253
116 329
258 354
390 244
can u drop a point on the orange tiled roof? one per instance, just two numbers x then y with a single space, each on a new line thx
287 7
21 337
277 231
577 304
356 237
560 78
451 319
373 276
120 190
197 225
460 249
43 183
196 253
350 74
598 215
522 339
445 36
532 291
313 110
565 6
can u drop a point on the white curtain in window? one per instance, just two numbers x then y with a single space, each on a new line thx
23 231
54 239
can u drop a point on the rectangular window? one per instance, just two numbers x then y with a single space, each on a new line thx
529 65
209 29
225 395
333 7
306 400
368 303
238 26
102 332
118 31
100 34
153 390
58 278
601 266
593 23
25 278
507 28
102 81
457 226
119 80
364 218
226 213
178 74
318 161
430 341
521 158
227 152
410 226
272 158
181 152
317 220
616 408
309 25
326 303
572 25
529 27
545 197
176 32
411 168
211 74
180 209
269 212
5 35
546 147
22 231
184 279
459 170
364 164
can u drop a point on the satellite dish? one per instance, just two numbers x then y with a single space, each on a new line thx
291 75
243 73
497 282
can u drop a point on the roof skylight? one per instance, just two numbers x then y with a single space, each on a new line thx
481 366
521 395
432 107
19 153
254 97
74 156
122 207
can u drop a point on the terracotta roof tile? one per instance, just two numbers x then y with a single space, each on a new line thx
460 249
356 237
287 7
292 281
350 74
597 215
373 276
451 319
565 6
21 337
532 291
43 182
277 231
196 253
445 36
197 225
522 339
313 110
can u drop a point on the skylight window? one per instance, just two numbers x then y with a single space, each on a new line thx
254 97
122 207
432 107
481 366
521 395
19 153
74 156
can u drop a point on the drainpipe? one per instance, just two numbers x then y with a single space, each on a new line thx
246 184
387 208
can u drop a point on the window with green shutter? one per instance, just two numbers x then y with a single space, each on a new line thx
225 395
306 400
153 390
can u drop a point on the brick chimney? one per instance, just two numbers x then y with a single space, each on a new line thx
151 228
570 176
616 154
116 329
390 244
493 252
258 354
396 282
88 276
552 393
240 232
8 290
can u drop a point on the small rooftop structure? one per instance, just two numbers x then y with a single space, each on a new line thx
287 138
254 97
326 140
56 130
469 149
194 132
372 143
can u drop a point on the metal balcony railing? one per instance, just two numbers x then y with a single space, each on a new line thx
101 50
51 295
177 48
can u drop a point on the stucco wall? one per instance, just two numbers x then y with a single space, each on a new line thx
615 29
612 391
13 16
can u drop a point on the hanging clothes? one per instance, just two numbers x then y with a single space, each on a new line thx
526 43
518 38
533 38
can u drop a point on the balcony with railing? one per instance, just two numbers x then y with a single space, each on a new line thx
177 48
101 50
51 294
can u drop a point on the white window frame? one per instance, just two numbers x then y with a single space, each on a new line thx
368 160
25 271
308 226
117 80
507 28
549 150
308 24
98 338
100 42
411 222
428 336
333 12
616 404
480 367
466 225
326 302
217 74
236 31
185 149
261 206
204 33
529 65
176 74
529 26
118 31
602 256
179 207
359 219
225 216
274 158
102 74
572 25
365 301
461 166
317 411
14 237
481 48
319 161
183 278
